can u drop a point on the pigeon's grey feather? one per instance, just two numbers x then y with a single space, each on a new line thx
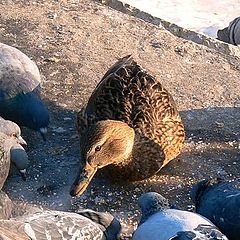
161 222
54 225
20 90
219 201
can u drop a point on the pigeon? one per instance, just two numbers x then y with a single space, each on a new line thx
160 221
20 90
219 201
6 143
6 206
48 224
19 157
230 34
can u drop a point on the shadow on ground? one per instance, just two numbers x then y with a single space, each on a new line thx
212 149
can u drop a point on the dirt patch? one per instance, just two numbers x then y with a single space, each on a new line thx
74 43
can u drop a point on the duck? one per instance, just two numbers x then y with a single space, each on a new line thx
18 155
160 221
52 224
130 127
20 89
219 201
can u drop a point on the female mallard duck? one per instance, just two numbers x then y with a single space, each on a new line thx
130 124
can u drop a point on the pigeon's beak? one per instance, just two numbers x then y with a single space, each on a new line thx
23 174
82 181
43 132
22 141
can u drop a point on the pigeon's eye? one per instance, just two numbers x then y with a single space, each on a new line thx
98 148
15 135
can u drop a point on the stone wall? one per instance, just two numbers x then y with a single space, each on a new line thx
173 28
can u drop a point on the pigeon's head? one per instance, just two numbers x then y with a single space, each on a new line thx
35 114
11 129
151 203
19 159
110 226
201 187
104 143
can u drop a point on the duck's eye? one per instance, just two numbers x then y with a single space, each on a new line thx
98 148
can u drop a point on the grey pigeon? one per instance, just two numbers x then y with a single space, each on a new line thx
6 143
161 222
230 34
61 225
219 201
20 90
19 157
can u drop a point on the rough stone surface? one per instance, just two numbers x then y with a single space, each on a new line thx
173 28
74 43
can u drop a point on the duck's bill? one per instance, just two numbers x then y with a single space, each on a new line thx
82 181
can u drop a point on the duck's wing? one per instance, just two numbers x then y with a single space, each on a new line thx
18 73
106 99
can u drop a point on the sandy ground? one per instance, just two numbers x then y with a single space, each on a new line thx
74 43
205 16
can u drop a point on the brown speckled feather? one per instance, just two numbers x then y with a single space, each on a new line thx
129 94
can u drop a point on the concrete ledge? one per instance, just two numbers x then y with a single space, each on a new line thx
176 30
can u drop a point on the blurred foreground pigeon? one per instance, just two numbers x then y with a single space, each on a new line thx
230 34
160 222
219 201
19 157
20 90
5 206
61 225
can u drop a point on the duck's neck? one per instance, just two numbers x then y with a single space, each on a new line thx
143 162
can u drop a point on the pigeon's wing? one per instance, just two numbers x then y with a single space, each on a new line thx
60 225
203 232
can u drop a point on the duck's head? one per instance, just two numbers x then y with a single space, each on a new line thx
104 143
